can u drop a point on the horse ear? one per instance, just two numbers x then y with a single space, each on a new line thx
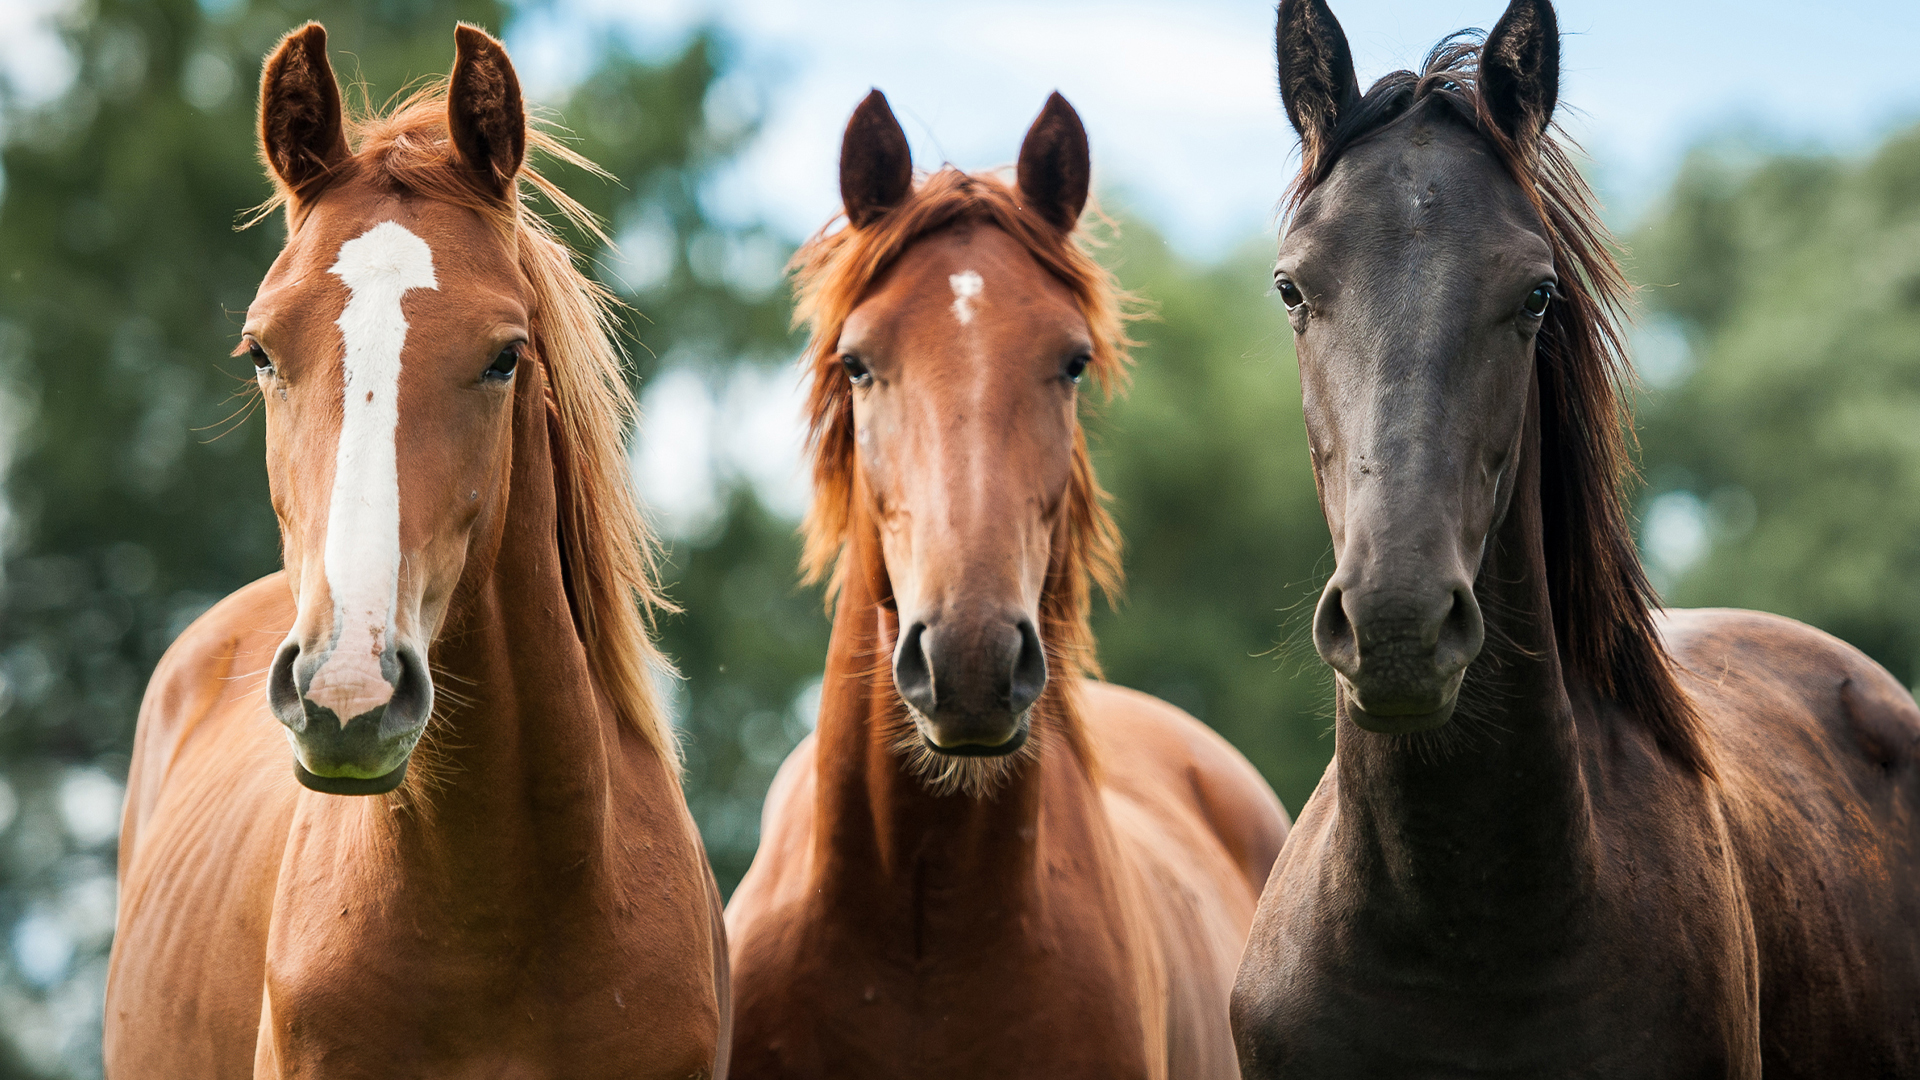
1520 70
1055 168
302 134
1317 83
876 169
485 116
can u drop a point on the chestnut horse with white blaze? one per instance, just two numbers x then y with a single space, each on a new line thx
982 863
1563 834
479 862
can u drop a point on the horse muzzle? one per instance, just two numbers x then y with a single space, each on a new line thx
971 690
1399 655
365 751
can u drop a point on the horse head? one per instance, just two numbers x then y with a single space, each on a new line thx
386 339
952 378
1417 274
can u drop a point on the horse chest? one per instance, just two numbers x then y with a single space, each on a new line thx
1339 984
508 1012
939 985
529 982
871 1023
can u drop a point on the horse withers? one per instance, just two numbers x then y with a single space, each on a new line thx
983 863
410 807
1563 834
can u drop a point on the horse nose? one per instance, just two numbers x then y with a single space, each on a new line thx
971 687
350 738
1400 650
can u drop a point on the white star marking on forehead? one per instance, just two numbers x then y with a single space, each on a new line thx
966 285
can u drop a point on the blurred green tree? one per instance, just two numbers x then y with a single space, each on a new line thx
1784 456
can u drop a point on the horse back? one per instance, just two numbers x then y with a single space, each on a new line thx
1818 753
209 800
1156 753
1201 830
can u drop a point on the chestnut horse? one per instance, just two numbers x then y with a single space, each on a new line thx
982 863
1563 834
464 562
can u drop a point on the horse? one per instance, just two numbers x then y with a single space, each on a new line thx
1564 832
480 861
982 862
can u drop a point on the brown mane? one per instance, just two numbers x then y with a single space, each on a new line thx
1603 604
836 269
606 550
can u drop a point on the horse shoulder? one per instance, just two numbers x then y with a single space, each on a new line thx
209 797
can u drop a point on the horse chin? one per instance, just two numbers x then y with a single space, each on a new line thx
970 770
1399 719
354 759
350 785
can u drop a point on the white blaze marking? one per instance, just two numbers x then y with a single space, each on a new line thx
966 285
363 518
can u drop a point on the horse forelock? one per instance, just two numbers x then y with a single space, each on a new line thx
834 271
607 551
1603 602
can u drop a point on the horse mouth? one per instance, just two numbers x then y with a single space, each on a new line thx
977 750
1400 714
349 785
973 747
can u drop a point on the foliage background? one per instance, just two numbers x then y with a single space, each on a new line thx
1781 440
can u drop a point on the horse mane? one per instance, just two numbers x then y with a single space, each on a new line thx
607 553
836 269
1603 604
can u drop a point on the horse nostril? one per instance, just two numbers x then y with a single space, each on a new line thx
912 674
412 696
283 696
1333 635
1029 671
1459 636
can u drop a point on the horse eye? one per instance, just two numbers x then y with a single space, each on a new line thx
1290 293
1077 367
857 372
1536 304
502 367
262 363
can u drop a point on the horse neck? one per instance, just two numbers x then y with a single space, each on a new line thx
1494 805
519 766
878 828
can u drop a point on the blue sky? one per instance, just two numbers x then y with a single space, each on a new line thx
1179 99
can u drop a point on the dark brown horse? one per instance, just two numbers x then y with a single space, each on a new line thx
1563 834
983 863
478 861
